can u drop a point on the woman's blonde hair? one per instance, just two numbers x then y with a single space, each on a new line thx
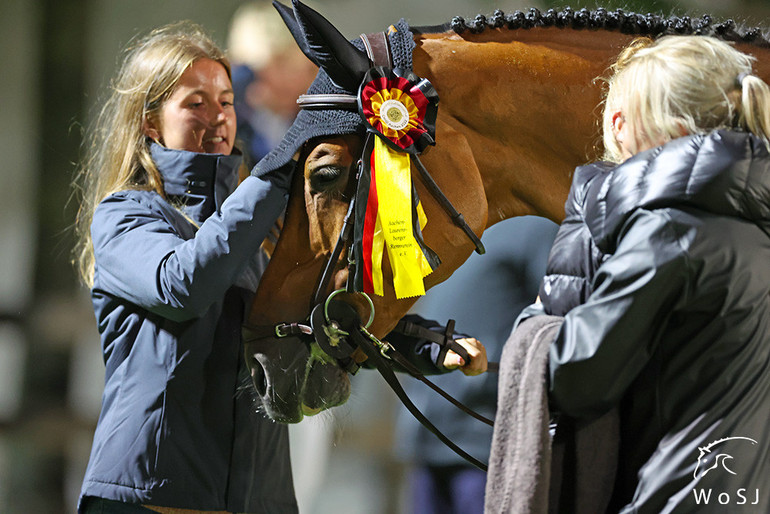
679 85
117 151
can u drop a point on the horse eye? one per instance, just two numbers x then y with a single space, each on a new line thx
324 178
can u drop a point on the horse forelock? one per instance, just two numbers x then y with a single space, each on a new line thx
603 19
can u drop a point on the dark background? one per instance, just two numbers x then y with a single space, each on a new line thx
57 56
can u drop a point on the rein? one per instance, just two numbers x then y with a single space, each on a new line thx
335 325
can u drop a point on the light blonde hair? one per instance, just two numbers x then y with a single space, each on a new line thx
681 85
257 34
117 151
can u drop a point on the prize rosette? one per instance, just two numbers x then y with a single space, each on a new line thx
400 107
399 110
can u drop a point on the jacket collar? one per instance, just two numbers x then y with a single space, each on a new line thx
200 181
723 172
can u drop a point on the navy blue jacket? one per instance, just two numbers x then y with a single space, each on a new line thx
172 283
676 330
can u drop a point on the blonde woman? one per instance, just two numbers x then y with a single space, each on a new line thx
169 247
663 280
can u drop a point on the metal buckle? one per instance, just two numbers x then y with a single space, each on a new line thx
286 329
383 346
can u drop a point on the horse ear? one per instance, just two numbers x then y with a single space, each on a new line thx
344 63
296 31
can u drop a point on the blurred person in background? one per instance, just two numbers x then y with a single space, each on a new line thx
483 296
269 73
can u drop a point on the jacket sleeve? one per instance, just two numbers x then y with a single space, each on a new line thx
140 256
569 272
420 352
605 343
574 257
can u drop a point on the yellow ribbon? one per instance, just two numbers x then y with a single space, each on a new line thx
393 228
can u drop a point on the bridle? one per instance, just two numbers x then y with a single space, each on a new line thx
336 325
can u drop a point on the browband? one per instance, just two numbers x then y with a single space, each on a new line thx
376 46
328 101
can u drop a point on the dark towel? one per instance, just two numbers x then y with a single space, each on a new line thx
583 464
519 463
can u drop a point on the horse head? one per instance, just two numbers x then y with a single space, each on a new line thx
518 111
325 153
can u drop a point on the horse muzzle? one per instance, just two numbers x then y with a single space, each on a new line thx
291 381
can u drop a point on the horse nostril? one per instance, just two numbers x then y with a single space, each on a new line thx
258 377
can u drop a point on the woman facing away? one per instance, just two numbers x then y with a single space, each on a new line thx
663 280
170 249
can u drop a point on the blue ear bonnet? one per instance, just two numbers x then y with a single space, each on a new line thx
313 123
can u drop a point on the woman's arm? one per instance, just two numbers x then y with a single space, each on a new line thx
604 343
141 257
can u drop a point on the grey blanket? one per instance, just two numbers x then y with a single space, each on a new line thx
519 464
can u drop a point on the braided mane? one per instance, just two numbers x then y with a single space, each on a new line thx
620 20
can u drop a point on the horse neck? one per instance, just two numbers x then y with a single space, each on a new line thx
526 102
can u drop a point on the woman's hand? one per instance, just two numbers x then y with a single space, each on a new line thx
476 352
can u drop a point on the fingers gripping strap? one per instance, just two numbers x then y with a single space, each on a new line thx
451 344
444 339
387 374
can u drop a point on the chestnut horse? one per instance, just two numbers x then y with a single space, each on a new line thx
519 110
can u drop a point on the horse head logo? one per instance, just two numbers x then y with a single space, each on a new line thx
710 458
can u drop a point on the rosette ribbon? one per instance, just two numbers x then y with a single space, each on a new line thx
399 110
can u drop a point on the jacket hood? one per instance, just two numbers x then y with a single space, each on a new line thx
723 172
197 177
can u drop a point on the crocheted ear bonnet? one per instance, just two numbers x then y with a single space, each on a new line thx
312 123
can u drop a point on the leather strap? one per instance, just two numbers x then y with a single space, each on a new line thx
328 101
455 216
389 376
414 372
377 48
445 339
251 332
342 239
